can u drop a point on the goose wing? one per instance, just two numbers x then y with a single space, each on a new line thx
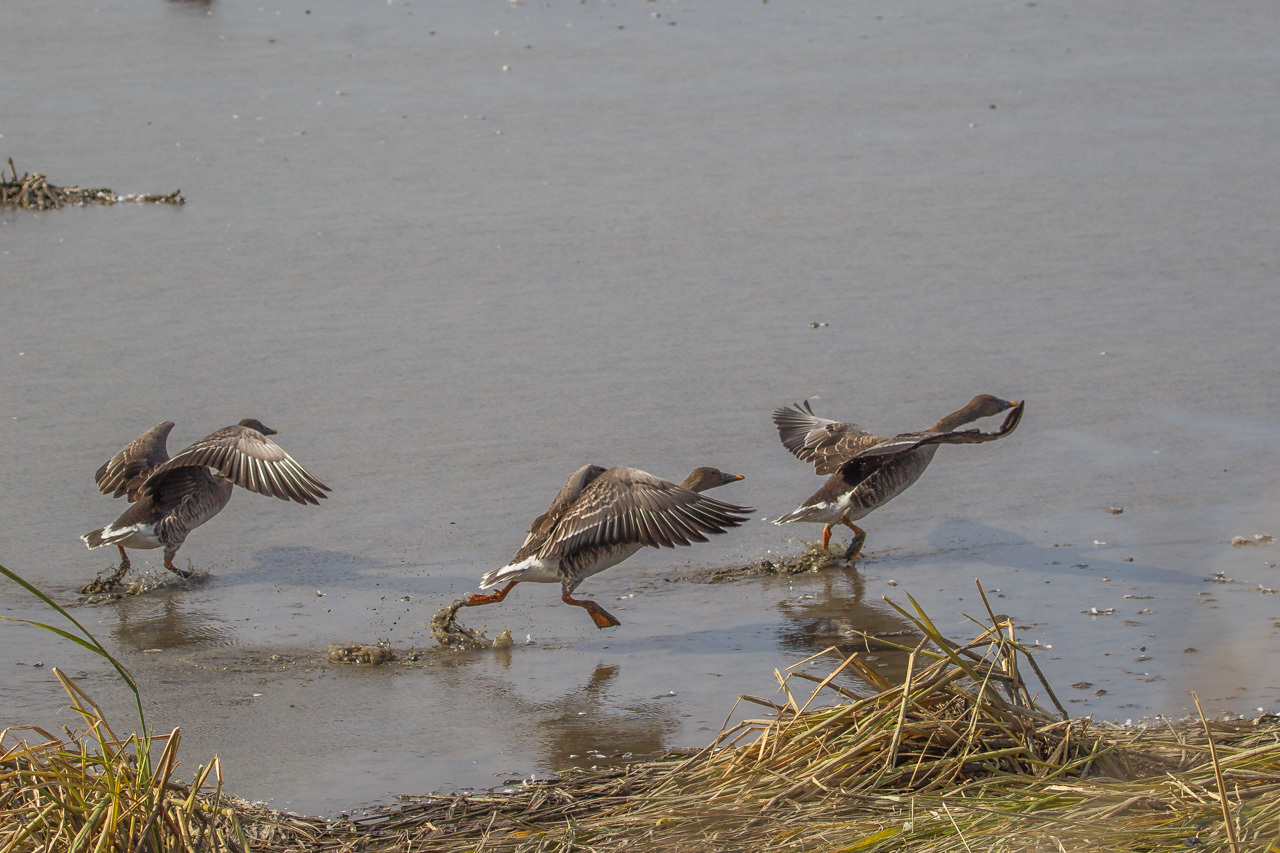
544 525
125 472
628 506
872 459
252 461
825 443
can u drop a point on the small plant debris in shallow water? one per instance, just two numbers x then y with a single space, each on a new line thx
112 588
33 192
812 559
361 653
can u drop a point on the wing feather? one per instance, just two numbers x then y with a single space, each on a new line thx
824 443
252 461
664 514
125 472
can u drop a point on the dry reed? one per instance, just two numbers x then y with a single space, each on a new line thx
94 791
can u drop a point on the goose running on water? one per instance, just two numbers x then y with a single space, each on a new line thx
603 516
170 497
868 471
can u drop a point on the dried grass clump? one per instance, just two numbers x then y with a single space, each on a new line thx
34 192
94 791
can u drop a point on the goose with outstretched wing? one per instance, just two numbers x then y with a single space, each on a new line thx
170 497
603 516
868 471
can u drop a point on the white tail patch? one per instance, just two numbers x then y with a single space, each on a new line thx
815 512
133 536
529 569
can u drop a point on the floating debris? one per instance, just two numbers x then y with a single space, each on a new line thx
449 632
360 653
1115 510
33 192
1258 539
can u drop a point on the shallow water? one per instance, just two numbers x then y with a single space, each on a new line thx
453 252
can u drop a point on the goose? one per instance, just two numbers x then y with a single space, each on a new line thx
603 516
170 497
868 471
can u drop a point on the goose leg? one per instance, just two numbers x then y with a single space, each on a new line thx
602 617
477 599
826 536
168 563
120 572
859 536
105 585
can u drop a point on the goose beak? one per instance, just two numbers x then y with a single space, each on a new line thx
266 430
733 478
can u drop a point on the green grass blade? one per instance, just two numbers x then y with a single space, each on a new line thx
89 641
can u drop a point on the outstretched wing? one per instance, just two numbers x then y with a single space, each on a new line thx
252 461
873 458
823 442
125 472
629 506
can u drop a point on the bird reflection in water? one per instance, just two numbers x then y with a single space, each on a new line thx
588 725
163 621
833 613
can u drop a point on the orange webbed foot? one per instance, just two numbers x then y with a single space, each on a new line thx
600 616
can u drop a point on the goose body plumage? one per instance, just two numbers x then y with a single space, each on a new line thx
603 516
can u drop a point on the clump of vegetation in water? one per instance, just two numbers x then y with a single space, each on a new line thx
814 558
33 192
361 653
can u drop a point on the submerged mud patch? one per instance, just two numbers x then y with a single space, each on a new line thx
812 559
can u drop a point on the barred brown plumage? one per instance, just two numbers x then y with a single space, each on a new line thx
601 517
